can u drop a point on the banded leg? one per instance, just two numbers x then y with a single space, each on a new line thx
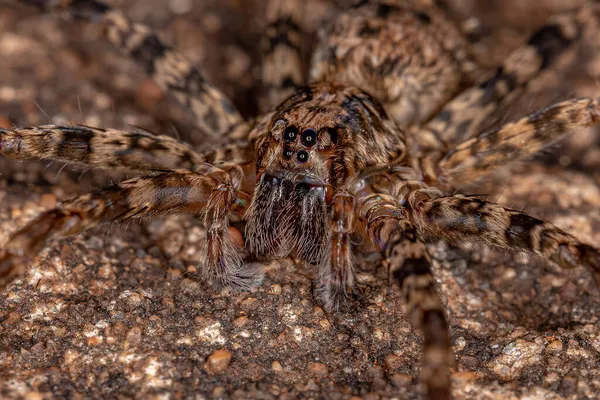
213 112
336 272
462 117
103 148
213 194
514 141
459 219
282 51
388 227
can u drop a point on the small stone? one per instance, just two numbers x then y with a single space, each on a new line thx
555 347
13 318
400 380
393 363
275 289
317 369
375 372
464 376
240 321
218 361
325 324
468 362
134 336
218 392
247 303
173 274
276 366
33 396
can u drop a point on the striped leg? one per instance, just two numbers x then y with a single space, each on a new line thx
102 148
459 219
462 118
213 194
514 141
336 274
213 112
282 51
388 227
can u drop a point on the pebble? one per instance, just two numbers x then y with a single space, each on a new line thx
218 361
275 289
134 336
240 321
555 346
318 369
393 362
276 366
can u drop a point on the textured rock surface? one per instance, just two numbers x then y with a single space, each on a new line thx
117 312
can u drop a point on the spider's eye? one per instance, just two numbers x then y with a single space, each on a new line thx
290 134
302 156
288 154
309 137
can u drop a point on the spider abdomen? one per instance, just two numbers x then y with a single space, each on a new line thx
412 58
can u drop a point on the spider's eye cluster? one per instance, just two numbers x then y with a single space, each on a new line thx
308 138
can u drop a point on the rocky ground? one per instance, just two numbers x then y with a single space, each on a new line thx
117 313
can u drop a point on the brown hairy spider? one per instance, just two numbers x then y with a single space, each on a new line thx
389 125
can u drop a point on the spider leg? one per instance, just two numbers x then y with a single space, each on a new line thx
213 194
336 272
464 219
213 112
389 228
103 148
461 118
282 51
514 141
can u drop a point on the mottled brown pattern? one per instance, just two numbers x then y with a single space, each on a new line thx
282 51
462 117
343 156
407 258
411 58
173 192
100 148
212 111
516 141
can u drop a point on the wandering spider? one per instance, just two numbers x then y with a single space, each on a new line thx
330 161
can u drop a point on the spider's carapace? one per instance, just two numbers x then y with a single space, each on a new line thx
315 146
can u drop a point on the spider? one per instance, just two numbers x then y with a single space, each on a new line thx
389 124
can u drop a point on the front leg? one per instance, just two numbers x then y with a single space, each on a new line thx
336 272
388 227
213 194
463 219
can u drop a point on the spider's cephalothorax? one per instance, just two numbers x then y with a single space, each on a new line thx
312 148
329 162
